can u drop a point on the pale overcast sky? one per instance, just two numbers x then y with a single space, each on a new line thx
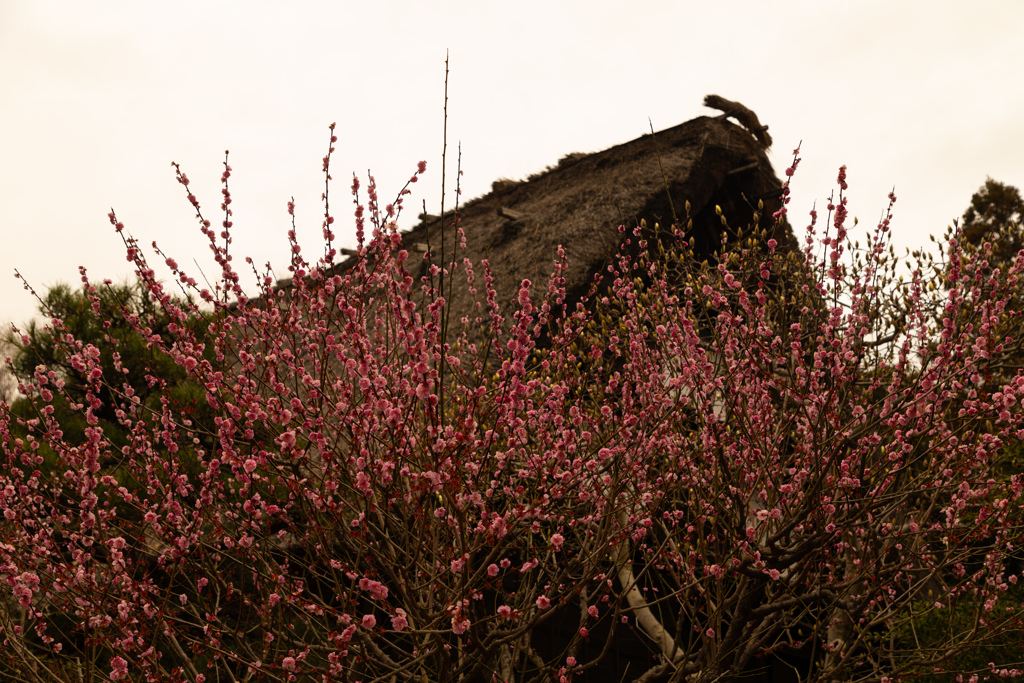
97 98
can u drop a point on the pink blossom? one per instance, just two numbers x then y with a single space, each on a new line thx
369 621
543 602
287 439
376 589
363 483
460 623
399 622
118 668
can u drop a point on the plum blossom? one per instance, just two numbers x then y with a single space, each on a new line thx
287 439
376 589
118 668
460 623
399 622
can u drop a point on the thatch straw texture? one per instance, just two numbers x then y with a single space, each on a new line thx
581 202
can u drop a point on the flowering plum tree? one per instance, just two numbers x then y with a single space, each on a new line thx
732 461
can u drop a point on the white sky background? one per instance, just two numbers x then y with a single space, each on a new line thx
97 98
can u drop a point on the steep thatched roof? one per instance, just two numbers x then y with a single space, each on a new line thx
581 202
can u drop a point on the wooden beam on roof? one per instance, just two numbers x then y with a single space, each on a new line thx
510 214
741 169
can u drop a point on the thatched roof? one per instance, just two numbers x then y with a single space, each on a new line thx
581 202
